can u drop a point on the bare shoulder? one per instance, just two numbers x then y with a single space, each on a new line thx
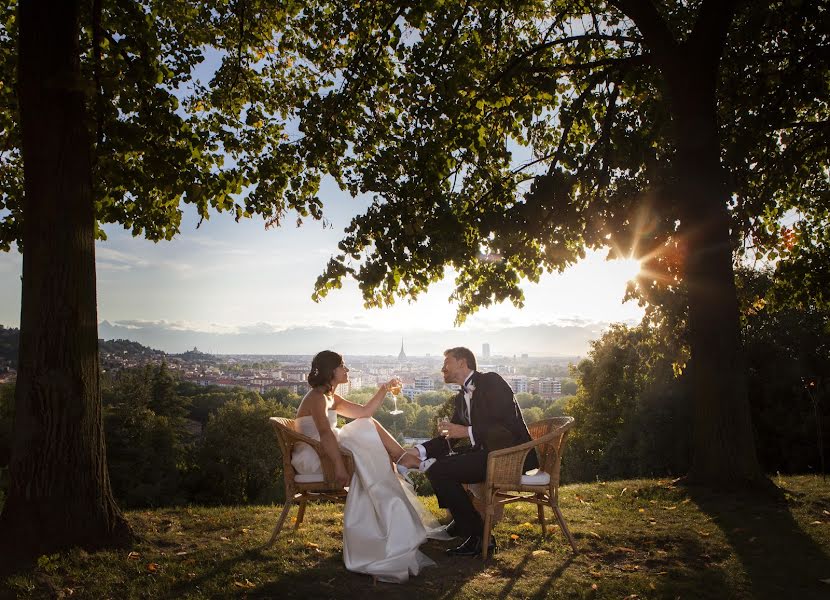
313 399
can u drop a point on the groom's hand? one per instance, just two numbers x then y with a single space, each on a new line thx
457 431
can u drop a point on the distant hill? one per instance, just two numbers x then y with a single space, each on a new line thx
9 342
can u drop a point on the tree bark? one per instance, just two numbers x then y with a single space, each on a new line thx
59 493
723 445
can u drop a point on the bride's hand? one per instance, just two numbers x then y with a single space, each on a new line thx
392 383
341 476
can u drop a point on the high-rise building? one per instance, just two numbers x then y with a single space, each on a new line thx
485 351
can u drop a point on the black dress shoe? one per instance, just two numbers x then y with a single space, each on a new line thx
472 547
452 529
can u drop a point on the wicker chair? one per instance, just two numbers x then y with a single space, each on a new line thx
299 488
507 483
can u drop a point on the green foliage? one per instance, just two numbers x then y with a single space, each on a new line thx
144 452
8 346
787 348
632 415
164 399
434 398
6 420
186 102
239 459
446 112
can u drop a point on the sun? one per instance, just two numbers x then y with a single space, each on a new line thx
626 269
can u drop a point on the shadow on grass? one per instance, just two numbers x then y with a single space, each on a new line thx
328 578
544 588
780 559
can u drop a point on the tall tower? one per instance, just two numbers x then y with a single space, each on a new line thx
402 354
485 351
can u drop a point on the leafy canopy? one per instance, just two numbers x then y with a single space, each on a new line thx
497 139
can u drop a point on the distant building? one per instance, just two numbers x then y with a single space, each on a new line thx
424 384
518 383
549 387
402 354
485 351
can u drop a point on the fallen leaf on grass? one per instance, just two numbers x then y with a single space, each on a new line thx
632 597
594 534
594 587
825 512
133 556
670 507
609 496
624 549
152 567
552 528
816 523
245 530
596 574
624 490
642 510
246 584
539 552
224 539
703 534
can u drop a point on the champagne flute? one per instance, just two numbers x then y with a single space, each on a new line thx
394 390
444 430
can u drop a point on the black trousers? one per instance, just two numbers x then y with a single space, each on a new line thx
447 475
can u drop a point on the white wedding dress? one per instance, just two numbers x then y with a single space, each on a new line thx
384 523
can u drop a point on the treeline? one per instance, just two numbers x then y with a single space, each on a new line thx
633 410
172 442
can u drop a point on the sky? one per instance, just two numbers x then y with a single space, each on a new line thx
225 282
232 287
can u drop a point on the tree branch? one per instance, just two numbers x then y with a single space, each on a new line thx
513 64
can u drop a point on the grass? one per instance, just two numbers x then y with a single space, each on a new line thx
638 539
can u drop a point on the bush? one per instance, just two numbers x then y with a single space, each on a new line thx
239 460
144 452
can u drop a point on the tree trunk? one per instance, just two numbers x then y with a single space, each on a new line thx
59 493
723 445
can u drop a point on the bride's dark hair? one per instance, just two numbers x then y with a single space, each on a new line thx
322 369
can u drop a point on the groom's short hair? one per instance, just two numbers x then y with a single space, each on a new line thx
465 353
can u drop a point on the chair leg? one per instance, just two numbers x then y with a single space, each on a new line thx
540 498
301 512
489 498
285 510
564 527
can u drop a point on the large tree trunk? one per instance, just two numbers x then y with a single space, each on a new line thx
60 492
723 444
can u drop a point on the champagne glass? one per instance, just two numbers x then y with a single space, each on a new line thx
444 429
394 390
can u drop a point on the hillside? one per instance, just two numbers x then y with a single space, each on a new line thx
108 349
638 539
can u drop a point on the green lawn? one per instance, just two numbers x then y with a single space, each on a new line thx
637 539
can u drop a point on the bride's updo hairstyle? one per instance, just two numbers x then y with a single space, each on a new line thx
322 369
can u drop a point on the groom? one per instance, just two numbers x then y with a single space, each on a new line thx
487 414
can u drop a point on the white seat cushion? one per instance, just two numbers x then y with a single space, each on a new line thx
309 478
535 477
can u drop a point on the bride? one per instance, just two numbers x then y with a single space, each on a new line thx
383 523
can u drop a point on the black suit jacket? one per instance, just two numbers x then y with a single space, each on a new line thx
495 417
